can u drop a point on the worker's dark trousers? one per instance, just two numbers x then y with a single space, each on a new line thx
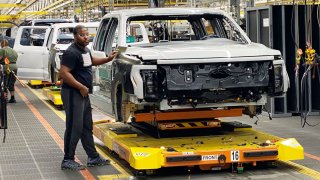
78 123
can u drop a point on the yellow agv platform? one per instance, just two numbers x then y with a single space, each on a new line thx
53 94
210 152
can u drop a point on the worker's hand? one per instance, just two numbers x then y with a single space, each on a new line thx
112 55
84 91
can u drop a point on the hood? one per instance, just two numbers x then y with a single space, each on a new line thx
218 49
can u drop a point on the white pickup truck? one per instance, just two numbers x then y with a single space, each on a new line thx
194 59
137 34
40 48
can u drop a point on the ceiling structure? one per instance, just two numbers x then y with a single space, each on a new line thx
86 10
92 10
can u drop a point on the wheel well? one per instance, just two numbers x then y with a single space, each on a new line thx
118 90
117 100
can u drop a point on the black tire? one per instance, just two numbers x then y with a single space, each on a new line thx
120 101
52 65
118 106
52 74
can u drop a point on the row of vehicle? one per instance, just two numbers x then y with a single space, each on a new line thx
40 48
12 32
172 59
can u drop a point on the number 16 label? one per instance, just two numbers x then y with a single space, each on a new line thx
235 155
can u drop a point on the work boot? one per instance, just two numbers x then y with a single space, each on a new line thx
12 101
72 165
98 161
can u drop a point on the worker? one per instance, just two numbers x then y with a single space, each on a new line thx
76 75
8 57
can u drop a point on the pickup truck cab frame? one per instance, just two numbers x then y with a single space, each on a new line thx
196 58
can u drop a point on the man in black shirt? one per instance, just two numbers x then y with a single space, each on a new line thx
76 73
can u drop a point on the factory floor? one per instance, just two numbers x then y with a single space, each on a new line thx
33 147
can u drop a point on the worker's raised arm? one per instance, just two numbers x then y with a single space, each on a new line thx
98 61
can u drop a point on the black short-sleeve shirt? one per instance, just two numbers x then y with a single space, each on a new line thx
80 62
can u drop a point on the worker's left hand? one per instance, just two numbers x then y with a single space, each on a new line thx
84 91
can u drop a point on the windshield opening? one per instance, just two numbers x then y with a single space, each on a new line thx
168 28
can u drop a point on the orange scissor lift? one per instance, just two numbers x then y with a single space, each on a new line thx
197 138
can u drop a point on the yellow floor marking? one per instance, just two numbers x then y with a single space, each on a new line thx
44 100
55 136
302 169
294 166
114 161
99 149
111 177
